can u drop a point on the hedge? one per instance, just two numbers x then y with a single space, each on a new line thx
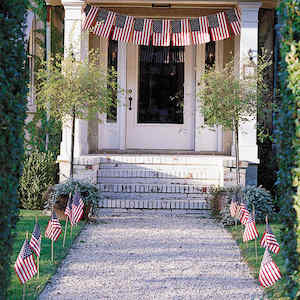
13 91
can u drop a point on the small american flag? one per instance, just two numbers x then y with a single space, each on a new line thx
142 31
250 232
123 28
181 32
218 26
36 239
244 214
25 266
269 272
68 210
90 16
234 20
269 240
104 23
161 33
199 30
77 208
53 229
233 208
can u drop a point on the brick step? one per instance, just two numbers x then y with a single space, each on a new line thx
153 188
154 204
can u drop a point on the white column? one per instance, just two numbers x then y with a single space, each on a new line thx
76 42
248 40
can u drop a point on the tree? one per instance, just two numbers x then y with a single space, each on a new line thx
13 92
75 89
229 100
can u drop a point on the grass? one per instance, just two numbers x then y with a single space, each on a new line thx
249 255
47 269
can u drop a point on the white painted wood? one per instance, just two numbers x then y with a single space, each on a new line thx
109 133
248 40
160 136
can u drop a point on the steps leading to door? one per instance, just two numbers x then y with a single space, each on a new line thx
155 181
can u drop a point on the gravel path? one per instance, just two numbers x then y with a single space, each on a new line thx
151 256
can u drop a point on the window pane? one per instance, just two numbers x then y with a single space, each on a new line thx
161 85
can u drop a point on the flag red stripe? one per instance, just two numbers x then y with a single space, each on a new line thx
90 18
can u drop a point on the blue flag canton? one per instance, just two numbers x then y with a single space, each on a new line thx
76 199
213 21
120 21
139 24
102 15
157 26
87 9
176 26
195 25
26 250
36 232
231 15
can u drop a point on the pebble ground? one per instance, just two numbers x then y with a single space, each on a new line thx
153 256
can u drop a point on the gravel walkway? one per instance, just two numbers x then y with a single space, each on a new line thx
151 256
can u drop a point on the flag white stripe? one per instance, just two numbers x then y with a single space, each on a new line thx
89 19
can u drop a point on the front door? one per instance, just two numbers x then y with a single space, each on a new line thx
160 98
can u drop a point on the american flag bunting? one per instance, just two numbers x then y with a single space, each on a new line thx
104 23
90 16
218 26
123 28
142 32
199 30
36 239
25 266
234 20
53 229
269 240
269 272
244 214
77 208
250 232
161 33
180 32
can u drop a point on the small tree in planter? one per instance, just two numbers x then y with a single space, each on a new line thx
229 100
67 88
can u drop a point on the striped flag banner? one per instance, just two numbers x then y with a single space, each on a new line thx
250 232
244 214
181 32
161 33
269 240
25 266
234 20
36 239
68 209
269 272
77 208
218 26
90 16
104 23
199 30
142 31
123 28
53 229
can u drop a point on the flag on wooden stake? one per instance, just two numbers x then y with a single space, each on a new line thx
77 208
250 232
233 208
123 28
244 214
269 272
142 31
199 30
269 240
104 23
180 32
218 26
234 20
36 239
53 229
90 16
161 33
25 266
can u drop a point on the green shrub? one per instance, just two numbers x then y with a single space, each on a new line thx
89 192
38 173
262 201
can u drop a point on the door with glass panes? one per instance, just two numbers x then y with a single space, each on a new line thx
160 97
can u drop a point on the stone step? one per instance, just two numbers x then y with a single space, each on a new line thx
154 188
153 204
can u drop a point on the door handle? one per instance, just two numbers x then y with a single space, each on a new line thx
130 99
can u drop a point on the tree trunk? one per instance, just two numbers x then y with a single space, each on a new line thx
72 144
237 153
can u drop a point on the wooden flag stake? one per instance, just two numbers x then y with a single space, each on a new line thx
52 251
24 291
